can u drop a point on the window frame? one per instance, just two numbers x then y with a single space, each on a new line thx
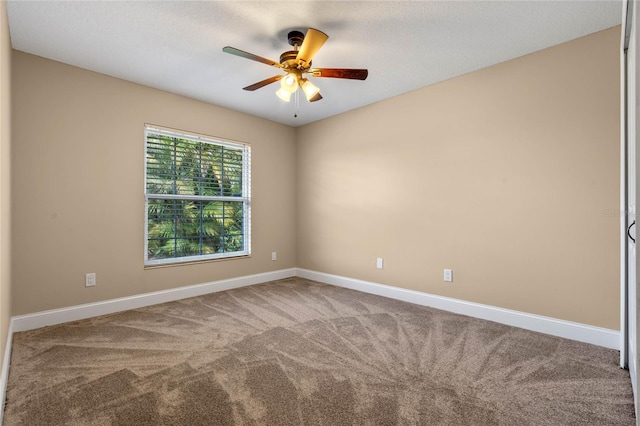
245 198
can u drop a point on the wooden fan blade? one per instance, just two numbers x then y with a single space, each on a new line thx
263 83
316 97
312 42
350 73
247 55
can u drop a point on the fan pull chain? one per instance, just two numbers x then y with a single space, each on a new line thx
297 105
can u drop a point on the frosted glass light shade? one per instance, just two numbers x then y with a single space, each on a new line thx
309 89
289 83
284 94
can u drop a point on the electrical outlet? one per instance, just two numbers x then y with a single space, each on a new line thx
379 262
274 255
90 279
448 275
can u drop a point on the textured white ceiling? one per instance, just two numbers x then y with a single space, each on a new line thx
177 45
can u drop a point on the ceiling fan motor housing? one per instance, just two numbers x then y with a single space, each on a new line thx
288 60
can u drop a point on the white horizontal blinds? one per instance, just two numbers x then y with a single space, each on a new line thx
197 197
183 167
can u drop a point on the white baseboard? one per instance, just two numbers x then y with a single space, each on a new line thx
561 328
4 374
78 312
555 327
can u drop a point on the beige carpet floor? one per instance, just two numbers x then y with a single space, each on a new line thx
297 352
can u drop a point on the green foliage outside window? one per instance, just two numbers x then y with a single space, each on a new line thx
207 217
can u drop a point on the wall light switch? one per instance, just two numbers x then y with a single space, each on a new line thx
379 262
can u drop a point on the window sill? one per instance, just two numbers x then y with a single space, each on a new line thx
195 262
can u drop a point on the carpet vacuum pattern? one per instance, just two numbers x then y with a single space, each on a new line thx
297 352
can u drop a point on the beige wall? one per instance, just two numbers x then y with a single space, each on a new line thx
5 178
504 175
78 169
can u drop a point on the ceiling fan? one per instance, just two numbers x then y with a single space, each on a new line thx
296 63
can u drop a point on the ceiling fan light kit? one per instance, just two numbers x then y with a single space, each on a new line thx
309 89
283 94
290 82
297 62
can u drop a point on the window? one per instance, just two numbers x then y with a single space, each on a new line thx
197 198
